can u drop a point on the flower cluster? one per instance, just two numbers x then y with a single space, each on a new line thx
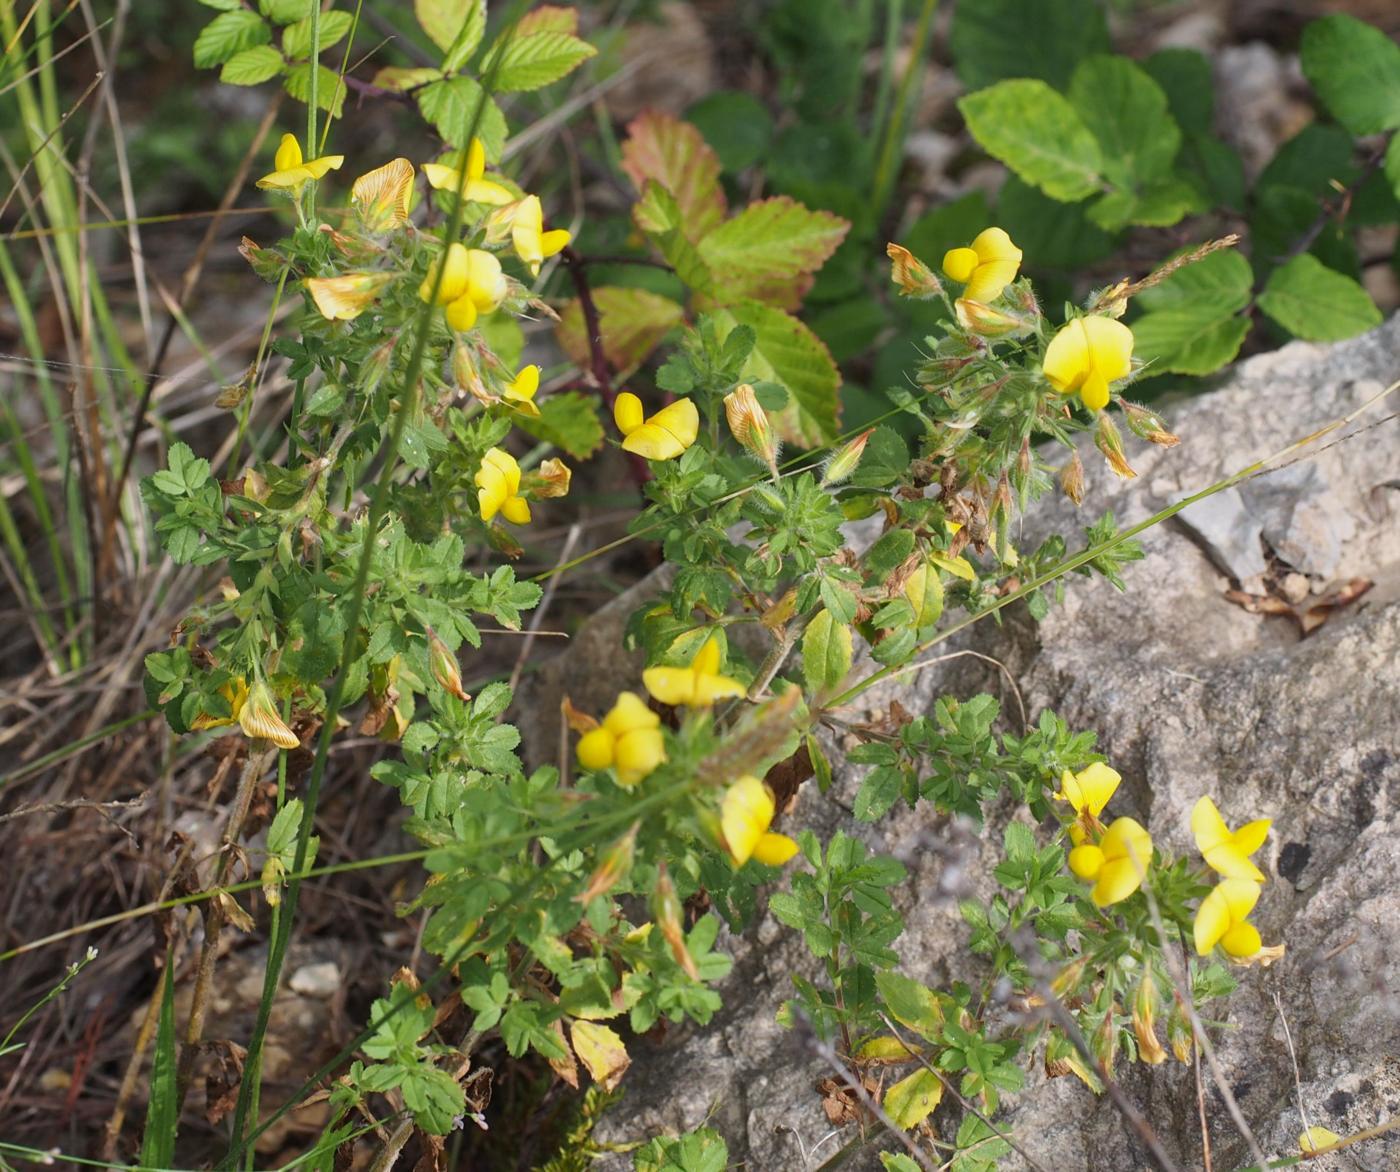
1115 859
629 741
1223 917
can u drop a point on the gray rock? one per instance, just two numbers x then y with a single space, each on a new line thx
1190 695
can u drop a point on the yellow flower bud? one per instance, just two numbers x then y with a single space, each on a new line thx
612 868
259 720
1144 1021
750 426
845 461
1110 443
551 479
345 297
914 278
982 319
1072 478
443 664
666 910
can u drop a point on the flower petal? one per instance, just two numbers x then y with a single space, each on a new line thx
960 263
773 850
1241 941
596 748
628 413
653 443
638 753
1086 861
990 279
670 685
630 713
1211 923
745 814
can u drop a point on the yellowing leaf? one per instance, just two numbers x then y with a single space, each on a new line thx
674 154
548 18
445 20
770 250
601 1051
565 1067
632 322
885 1049
912 1100
826 652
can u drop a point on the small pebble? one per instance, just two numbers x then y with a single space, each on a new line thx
316 980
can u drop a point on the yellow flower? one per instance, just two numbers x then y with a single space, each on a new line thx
235 691
1115 866
1226 852
290 172
1086 355
696 686
498 488
258 719
1087 792
1317 1138
629 740
745 814
381 196
520 391
345 297
532 242
468 179
664 435
1222 919
472 284
986 267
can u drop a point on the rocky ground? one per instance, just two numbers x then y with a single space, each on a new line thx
1192 692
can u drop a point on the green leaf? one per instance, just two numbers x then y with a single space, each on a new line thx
826 652
1038 134
286 11
632 322
252 66
1186 78
451 105
912 1099
788 352
1392 164
434 1096
661 147
910 1003
529 62
330 87
897 1162
1311 301
569 421
446 20
1185 341
878 792
995 39
1053 235
163 1110
702 1150
736 124
1127 112
525 1025
769 251
1356 71
227 34
1160 204
1219 282
659 215
296 38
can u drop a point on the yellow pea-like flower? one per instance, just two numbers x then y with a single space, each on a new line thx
290 171
1227 852
629 740
520 391
532 243
1086 355
381 197
1087 792
1118 863
468 179
662 436
986 266
259 720
696 686
455 266
745 815
498 488
1222 919
345 297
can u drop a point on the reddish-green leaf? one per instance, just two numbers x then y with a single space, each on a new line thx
770 250
673 153
633 322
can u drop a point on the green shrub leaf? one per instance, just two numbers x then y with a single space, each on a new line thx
1311 301
1127 112
1356 71
451 106
769 251
1186 341
227 34
330 88
529 62
632 321
1038 134
661 147
1062 32
252 66
296 38
912 1099
445 21
826 652
568 421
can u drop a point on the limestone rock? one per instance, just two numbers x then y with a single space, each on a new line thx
1190 695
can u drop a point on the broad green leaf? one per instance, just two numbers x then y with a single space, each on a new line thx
1311 301
330 88
601 1051
1356 71
568 421
227 34
787 352
769 251
897 1162
912 1099
1187 341
529 62
1186 78
675 155
632 322
402 78
736 124
446 20
1160 204
702 1150
548 18
1219 282
1127 112
659 215
285 11
826 652
1317 160
993 40
252 66
434 1096
452 106
910 1003
296 38
1038 134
